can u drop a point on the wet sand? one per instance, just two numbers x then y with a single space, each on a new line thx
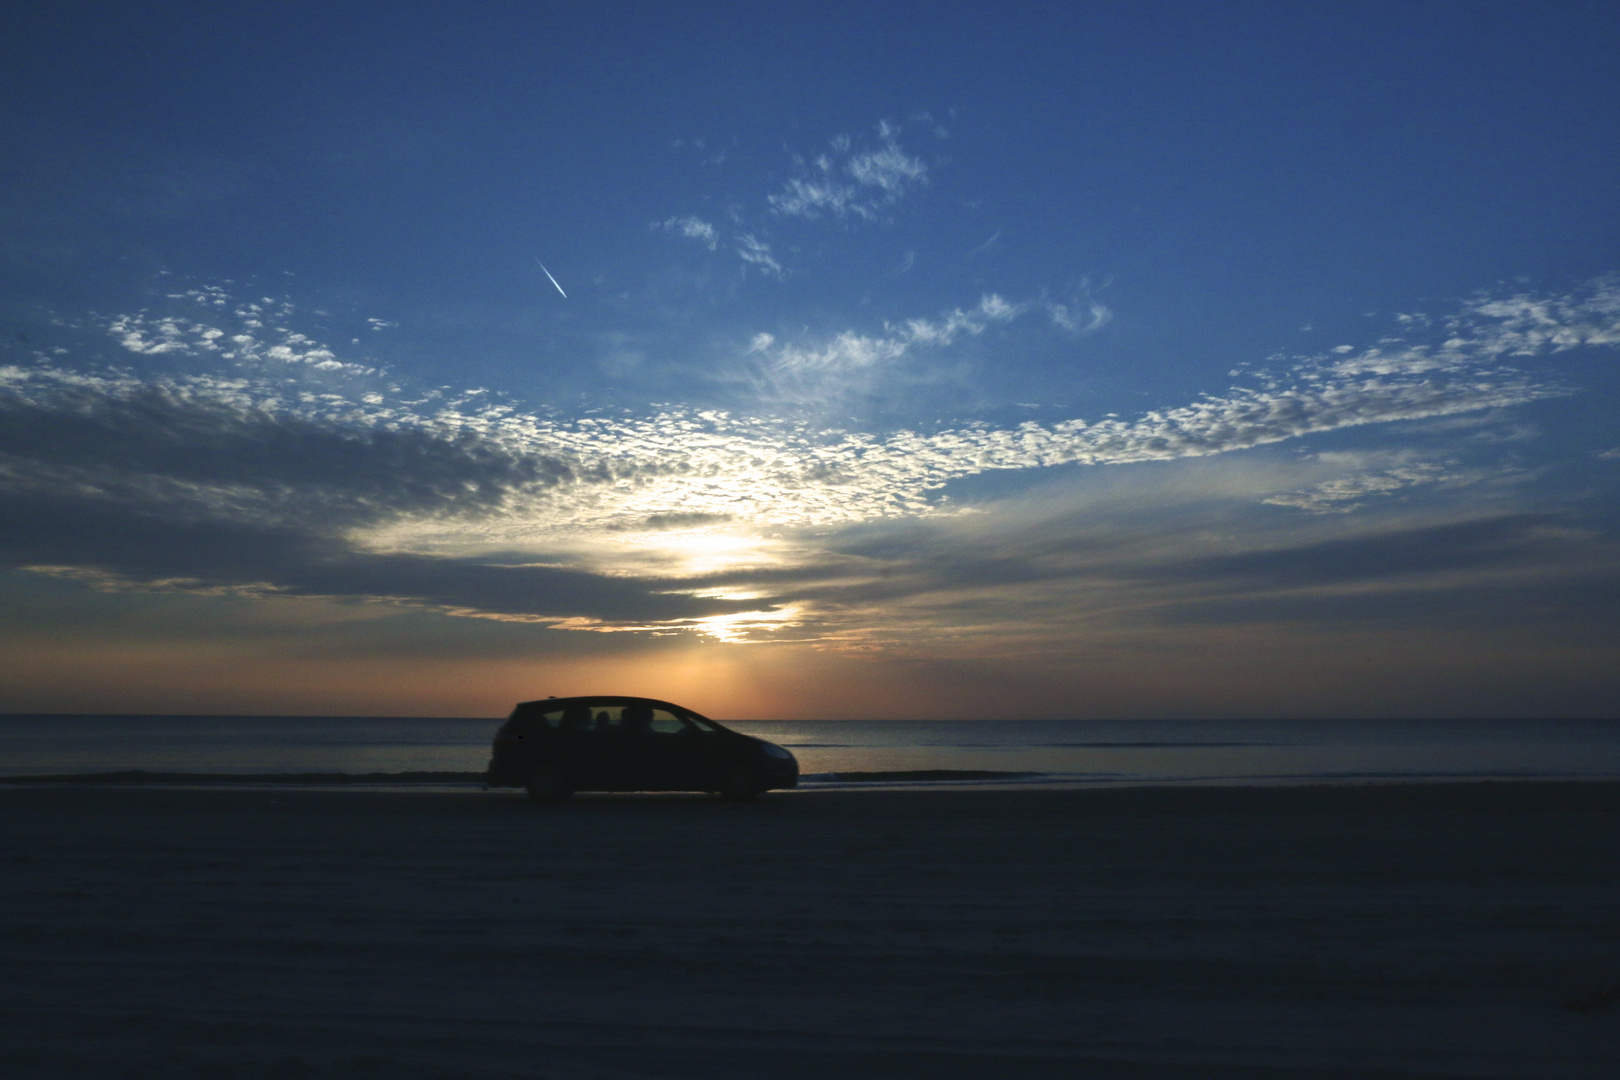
1388 931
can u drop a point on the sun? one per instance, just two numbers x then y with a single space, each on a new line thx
697 552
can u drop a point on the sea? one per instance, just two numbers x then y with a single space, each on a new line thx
848 753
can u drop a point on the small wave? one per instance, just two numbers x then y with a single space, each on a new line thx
143 776
1154 745
924 745
901 775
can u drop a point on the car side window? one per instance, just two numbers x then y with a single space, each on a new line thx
665 722
576 718
533 719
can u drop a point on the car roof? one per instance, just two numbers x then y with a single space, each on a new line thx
605 699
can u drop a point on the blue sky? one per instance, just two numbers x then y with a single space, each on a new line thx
915 360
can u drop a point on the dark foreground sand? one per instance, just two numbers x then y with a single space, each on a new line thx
1439 930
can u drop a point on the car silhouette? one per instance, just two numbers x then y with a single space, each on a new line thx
558 746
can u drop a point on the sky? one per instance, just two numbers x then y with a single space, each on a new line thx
811 360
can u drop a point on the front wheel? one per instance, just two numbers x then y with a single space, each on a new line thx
548 785
741 783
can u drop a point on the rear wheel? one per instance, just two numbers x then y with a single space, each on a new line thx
548 785
741 783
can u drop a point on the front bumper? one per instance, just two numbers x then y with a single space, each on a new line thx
781 774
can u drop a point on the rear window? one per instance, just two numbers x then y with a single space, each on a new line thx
533 718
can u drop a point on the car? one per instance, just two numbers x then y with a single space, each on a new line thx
557 746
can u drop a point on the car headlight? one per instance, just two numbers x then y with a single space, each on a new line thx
772 750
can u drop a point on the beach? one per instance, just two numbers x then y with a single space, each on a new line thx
1400 930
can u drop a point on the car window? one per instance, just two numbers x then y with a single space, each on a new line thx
665 722
593 716
536 717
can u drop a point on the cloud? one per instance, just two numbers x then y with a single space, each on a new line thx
1378 554
1084 561
151 552
1155 581
753 251
835 370
848 351
1080 313
1350 491
269 468
1526 324
850 180
205 446
774 470
757 253
693 228
168 485
259 336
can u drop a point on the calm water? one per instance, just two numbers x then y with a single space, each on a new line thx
1061 751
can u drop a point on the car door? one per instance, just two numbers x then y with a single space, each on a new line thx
598 750
677 755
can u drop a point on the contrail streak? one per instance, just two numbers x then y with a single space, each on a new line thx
548 274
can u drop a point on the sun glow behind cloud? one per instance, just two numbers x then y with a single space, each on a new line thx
746 626
694 553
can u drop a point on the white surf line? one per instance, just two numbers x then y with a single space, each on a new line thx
548 274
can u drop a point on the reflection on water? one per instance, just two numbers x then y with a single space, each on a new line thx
1072 750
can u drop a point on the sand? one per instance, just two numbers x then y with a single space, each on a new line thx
1395 931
